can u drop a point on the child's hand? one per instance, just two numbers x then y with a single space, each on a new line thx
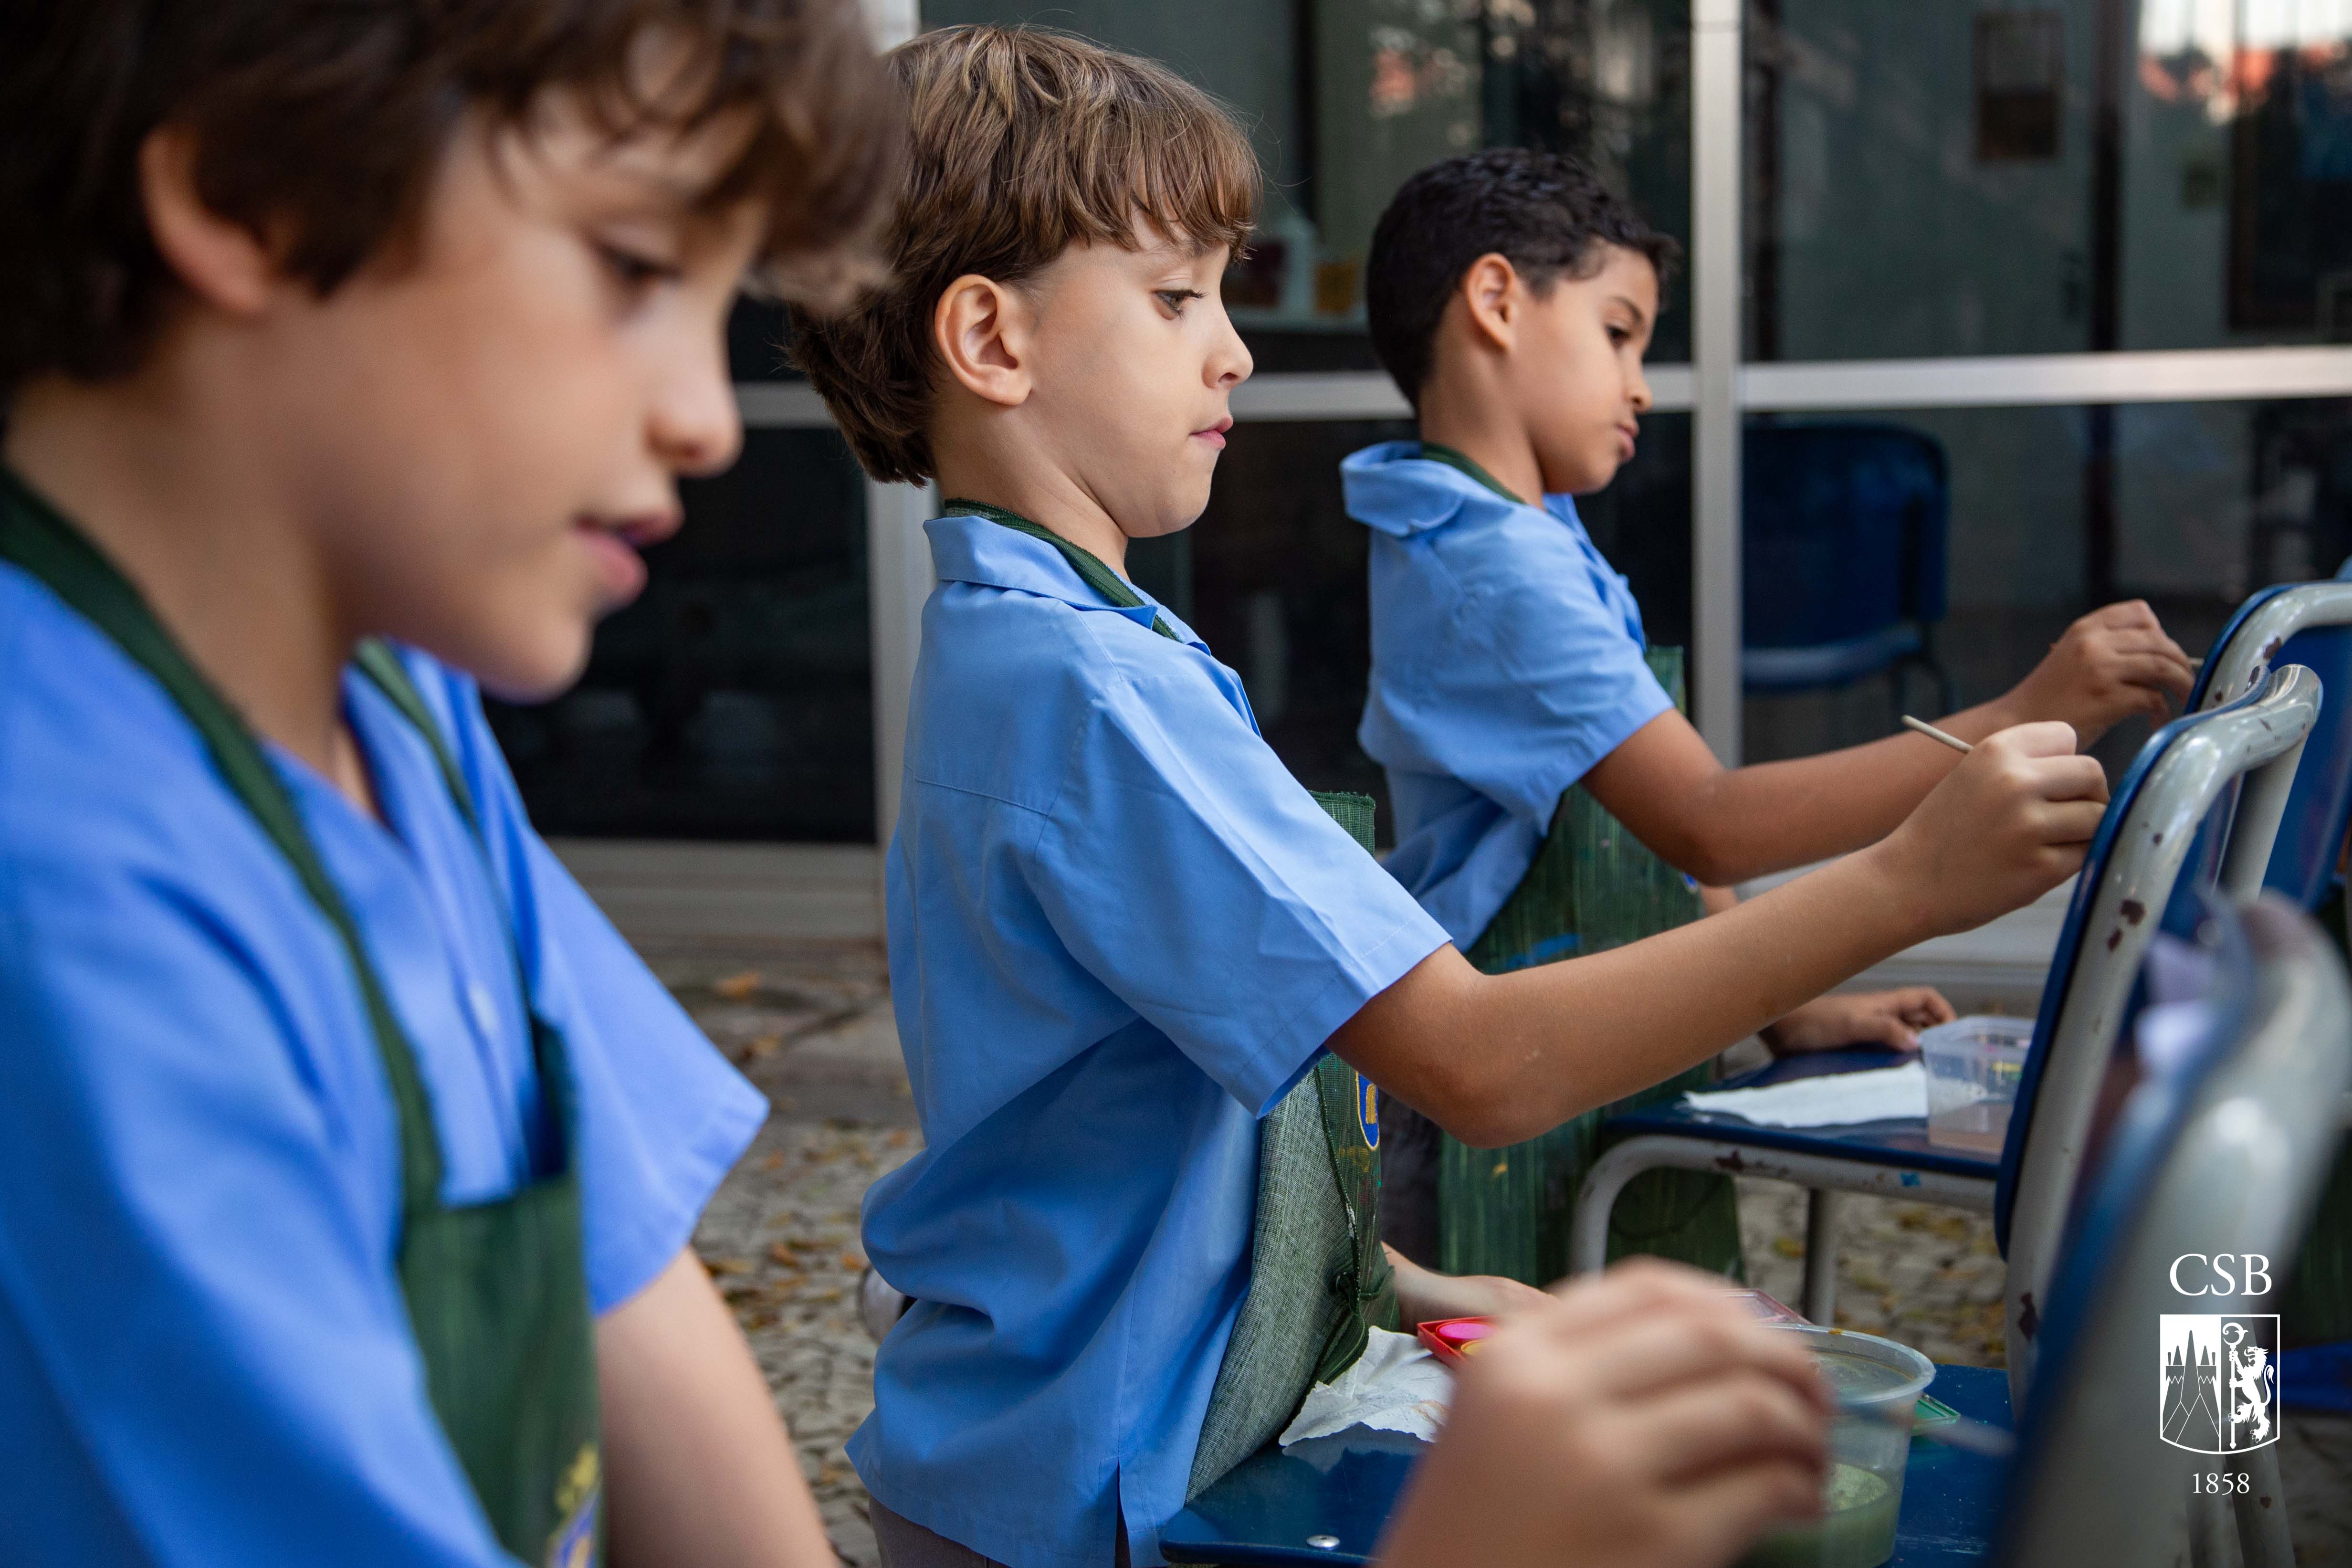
1642 1420
2112 663
1425 1296
1859 1018
2012 822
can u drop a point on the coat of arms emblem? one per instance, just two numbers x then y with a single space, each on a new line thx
2220 1389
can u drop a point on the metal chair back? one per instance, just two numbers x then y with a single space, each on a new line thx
2129 879
2307 623
2222 1149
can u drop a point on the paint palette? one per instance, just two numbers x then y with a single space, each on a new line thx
1450 1340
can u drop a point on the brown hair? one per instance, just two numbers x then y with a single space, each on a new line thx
1024 142
325 123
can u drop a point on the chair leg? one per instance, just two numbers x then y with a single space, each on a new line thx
1821 1256
2263 1539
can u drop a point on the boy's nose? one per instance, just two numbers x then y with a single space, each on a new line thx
1230 365
694 426
1639 394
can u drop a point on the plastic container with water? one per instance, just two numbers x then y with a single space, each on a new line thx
1974 1064
1877 1384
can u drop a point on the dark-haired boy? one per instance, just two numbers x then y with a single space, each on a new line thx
347 1158
1120 932
1512 296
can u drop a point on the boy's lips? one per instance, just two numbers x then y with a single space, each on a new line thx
1214 435
1627 435
612 544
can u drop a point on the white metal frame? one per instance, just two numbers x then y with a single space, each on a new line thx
1716 388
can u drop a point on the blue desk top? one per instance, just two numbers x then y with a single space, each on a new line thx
1346 1486
1903 1144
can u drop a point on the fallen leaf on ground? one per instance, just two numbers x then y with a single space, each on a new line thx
737 987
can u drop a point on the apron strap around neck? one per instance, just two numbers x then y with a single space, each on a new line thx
1092 570
38 539
1462 461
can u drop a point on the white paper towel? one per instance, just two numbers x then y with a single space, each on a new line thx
1833 1099
1396 1386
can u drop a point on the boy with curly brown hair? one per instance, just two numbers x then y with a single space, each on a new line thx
347 1158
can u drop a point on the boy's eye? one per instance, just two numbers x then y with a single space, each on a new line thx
1177 298
634 271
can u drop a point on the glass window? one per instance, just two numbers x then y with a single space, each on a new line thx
1273 577
1946 179
2207 503
734 698
1344 99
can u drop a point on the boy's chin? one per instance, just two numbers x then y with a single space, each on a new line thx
531 670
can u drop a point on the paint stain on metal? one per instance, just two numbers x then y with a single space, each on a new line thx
2133 910
2115 939
2272 647
2029 1316
1731 1162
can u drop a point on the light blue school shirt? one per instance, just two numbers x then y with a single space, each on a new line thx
204 1355
1507 661
1119 931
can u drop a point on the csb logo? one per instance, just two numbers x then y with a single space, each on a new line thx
2221 1384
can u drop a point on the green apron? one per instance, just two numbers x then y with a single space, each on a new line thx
496 1292
1593 886
1319 1281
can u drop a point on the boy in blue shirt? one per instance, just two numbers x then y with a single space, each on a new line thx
1119 931
1512 296
348 1157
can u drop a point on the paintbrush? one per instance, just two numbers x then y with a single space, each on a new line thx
1924 727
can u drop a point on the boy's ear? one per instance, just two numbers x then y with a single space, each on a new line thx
1492 300
983 330
221 261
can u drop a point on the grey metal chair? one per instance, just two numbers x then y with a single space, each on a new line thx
2134 866
2223 1152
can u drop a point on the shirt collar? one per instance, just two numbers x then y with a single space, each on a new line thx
974 549
1392 488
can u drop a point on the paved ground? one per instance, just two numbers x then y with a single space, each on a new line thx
809 1020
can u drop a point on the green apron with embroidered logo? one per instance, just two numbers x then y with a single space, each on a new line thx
1319 1282
1593 886
496 1292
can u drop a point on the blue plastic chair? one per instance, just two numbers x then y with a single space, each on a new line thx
2272 1029
1843 561
2141 855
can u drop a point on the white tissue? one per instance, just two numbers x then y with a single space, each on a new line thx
1835 1099
1396 1386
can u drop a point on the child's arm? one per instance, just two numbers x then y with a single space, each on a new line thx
697 1466
1498 1058
1425 1296
1725 826
1848 1018
1639 1421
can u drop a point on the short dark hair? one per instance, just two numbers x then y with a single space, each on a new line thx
1548 213
1024 143
323 124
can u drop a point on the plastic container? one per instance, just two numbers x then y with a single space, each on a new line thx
1973 1068
1878 1383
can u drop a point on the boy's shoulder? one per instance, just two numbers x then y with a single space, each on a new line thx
1023 668
93 756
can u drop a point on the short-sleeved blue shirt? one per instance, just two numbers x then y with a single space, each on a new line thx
1507 661
204 1355
1119 931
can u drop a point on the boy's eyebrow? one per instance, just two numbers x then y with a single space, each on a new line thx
1639 315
